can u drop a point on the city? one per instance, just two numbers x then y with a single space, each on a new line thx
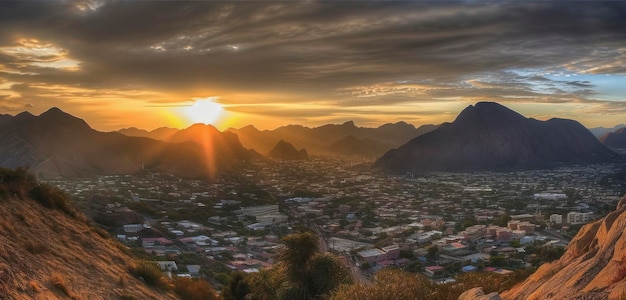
437 224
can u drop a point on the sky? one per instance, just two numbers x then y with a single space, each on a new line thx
149 64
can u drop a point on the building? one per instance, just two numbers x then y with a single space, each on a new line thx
579 218
433 270
132 228
377 255
549 196
372 255
556 219
392 252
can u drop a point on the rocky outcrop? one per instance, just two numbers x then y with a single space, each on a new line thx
478 294
593 266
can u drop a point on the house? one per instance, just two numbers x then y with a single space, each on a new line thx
372 255
433 270
158 241
132 228
194 270
167 265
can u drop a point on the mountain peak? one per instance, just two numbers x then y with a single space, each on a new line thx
489 136
54 110
56 116
488 112
286 151
349 124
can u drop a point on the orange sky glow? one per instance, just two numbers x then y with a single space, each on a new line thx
150 64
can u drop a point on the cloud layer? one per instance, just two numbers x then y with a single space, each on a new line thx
335 58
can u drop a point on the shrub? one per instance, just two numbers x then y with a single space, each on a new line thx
149 272
194 289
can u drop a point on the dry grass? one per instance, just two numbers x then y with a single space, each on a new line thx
34 285
60 282
58 256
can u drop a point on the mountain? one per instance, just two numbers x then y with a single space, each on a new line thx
223 145
593 266
320 140
162 133
614 140
286 151
50 253
489 136
600 131
58 144
351 145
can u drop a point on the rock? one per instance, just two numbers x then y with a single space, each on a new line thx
478 294
593 266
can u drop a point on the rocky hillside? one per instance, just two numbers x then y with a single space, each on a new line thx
593 266
51 253
489 136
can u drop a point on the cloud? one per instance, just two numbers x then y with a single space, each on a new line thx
350 54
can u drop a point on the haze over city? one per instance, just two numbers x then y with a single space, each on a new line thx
148 64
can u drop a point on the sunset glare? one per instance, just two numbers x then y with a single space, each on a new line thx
204 111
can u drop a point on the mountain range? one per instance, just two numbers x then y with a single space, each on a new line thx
614 140
600 131
489 136
337 139
58 144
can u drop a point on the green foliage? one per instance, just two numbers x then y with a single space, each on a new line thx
301 272
238 287
53 198
194 289
20 183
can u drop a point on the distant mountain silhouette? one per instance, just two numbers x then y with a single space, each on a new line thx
614 140
286 151
489 136
162 133
600 131
224 145
351 145
58 144
320 140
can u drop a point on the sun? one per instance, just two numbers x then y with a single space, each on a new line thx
205 111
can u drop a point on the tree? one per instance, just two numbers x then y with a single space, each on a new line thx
237 288
301 272
433 252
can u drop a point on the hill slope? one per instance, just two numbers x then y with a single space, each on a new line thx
593 266
47 254
489 136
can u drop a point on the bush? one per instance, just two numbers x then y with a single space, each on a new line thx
148 271
194 289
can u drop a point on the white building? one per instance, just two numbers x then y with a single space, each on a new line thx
556 218
549 196
579 218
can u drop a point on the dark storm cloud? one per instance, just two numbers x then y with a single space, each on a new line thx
318 49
